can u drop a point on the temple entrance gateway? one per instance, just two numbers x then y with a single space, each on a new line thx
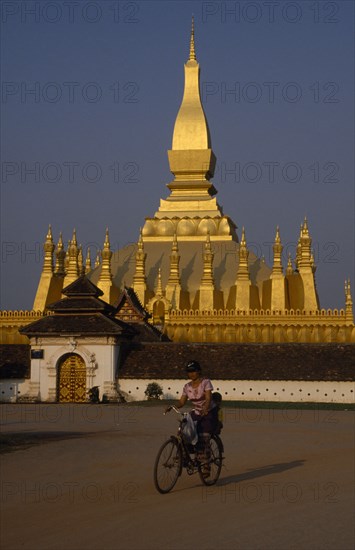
72 379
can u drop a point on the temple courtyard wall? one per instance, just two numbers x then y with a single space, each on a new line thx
313 373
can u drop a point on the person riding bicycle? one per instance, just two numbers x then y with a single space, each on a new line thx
199 391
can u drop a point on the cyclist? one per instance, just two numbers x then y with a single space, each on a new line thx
199 391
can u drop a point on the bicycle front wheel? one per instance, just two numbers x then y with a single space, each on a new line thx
209 472
168 465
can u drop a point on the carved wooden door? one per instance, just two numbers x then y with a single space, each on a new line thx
72 380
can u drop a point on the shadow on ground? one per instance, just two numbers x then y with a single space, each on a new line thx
16 441
270 469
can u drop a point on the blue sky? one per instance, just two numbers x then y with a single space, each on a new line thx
90 92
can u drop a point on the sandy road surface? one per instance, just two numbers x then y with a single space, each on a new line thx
83 480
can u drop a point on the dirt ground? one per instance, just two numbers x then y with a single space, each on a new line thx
81 477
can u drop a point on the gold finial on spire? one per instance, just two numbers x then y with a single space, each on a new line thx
81 265
105 279
97 260
139 280
159 290
348 303
107 239
48 252
88 261
243 242
289 269
277 248
192 55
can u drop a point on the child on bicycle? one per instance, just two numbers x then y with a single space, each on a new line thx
199 391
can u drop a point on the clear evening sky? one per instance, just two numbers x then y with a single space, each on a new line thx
90 92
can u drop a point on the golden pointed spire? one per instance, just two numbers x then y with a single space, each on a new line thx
277 248
191 130
106 256
48 248
66 260
173 286
139 280
289 269
107 239
159 289
73 240
243 269
88 261
97 259
348 303
243 242
73 270
60 257
192 41
207 277
81 265
174 278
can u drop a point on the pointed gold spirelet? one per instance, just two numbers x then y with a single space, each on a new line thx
192 41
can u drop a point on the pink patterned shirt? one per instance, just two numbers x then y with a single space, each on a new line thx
197 395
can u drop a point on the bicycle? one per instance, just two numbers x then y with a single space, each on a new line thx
175 454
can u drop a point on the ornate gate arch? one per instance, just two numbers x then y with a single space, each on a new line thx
71 379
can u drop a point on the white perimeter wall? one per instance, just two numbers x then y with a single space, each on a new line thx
231 390
252 390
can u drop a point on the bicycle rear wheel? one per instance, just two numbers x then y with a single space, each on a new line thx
210 471
168 465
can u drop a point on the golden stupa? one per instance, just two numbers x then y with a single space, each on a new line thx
189 269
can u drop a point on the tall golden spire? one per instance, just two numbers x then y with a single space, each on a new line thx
207 277
97 259
243 269
242 297
289 269
306 268
48 252
72 268
60 258
139 280
159 288
277 248
192 162
278 296
348 303
207 289
46 291
81 266
88 261
106 255
173 287
192 41
105 279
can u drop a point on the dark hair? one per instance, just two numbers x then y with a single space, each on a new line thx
193 366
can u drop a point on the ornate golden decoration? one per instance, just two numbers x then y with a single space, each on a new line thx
72 380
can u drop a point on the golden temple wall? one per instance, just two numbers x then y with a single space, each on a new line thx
12 321
259 326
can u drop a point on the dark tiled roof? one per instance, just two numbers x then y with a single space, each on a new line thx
144 332
242 361
94 323
82 287
82 303
15 361
129 295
